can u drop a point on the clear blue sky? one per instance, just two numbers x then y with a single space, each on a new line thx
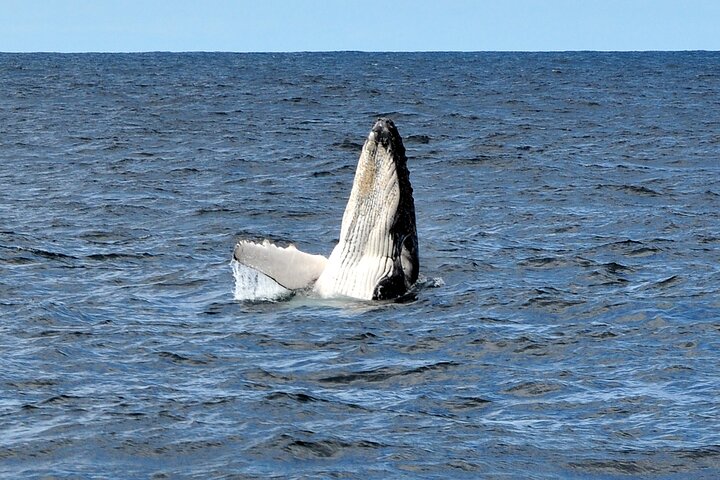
369 25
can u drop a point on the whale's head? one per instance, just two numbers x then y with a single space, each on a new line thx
377 255
382 154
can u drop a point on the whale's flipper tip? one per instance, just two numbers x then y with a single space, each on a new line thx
288 266
251 285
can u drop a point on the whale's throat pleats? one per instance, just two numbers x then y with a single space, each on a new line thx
365 252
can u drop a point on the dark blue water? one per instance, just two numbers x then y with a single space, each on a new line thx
569 202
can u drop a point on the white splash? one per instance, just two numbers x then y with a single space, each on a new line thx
253 285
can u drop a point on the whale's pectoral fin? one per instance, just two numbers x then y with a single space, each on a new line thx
287 266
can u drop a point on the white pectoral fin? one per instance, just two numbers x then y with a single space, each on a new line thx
287 266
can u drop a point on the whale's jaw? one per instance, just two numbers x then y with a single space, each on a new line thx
377 255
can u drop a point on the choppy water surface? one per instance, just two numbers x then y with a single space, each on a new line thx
570 203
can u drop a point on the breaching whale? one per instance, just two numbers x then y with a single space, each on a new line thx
376 257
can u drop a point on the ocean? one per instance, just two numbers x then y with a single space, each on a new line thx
568 216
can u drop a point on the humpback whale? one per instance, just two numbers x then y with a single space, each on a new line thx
376 257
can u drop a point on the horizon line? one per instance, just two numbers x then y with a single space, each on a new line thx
265 52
